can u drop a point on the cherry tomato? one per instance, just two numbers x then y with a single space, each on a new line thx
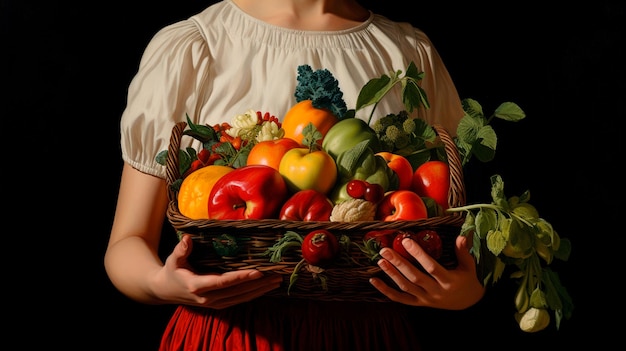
399 248
381 237
356 188
374 192
428 239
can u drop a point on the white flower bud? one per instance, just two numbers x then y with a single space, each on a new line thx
270 131
243 123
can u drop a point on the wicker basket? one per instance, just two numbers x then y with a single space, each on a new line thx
345 279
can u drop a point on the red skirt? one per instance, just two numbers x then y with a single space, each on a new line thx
271 324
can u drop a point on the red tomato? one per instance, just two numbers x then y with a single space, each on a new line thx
382 237
374 192
401 166
401 205
432 179
399 248
270 152
307 205
428 239
320 247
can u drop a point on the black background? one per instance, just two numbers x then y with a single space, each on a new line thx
66 69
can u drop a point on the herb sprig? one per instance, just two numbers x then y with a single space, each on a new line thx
510 232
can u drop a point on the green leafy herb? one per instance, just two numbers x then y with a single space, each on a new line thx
474 134
510 232
321 88
413 95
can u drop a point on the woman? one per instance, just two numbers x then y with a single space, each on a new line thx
242 54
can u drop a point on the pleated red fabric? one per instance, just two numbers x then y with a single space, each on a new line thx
271 324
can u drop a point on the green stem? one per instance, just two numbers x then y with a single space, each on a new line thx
491 206
372 114
474 207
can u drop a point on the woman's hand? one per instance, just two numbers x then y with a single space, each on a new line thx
452 289
177 283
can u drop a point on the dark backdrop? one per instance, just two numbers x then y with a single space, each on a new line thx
66 69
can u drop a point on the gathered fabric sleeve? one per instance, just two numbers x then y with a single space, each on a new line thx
168 86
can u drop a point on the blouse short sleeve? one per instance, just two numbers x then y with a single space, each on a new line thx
167 86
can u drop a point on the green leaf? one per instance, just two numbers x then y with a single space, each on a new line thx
565 248
496 241
486 147
184 161
497 192
311 137
538 299
469 225
468 128
414 96
475 137
557 296
200 132
482 152
509 111
289 240
349 160
193 155
472 108
373 91
161 158
520 237
498 269
413 72
486 220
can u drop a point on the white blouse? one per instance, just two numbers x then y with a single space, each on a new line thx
223 62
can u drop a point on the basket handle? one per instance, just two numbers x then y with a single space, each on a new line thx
456 195
172 170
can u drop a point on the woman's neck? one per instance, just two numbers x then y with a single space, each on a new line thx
315 15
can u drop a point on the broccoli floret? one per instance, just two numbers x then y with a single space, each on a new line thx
382 123
321 88
392 132
409 126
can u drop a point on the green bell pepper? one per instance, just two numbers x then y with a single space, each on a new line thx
345 134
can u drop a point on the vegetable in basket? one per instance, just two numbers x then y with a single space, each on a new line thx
306 205
361 162
319 101
248 192
432 179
